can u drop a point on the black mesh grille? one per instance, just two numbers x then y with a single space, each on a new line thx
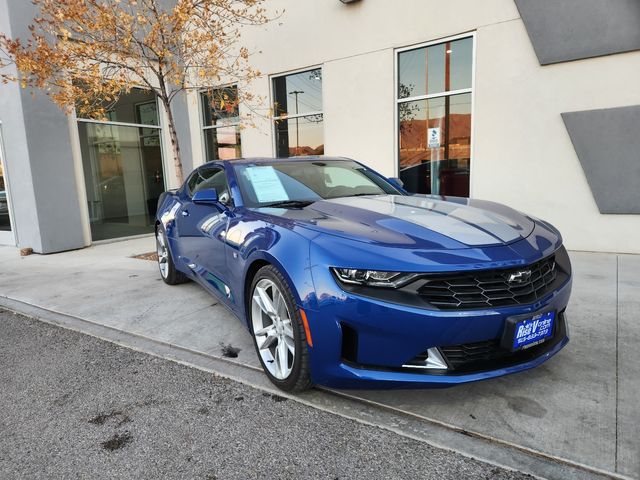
489 288
459 355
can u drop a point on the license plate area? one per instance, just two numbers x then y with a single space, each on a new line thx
525 331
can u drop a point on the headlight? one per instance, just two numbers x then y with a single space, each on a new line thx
373 278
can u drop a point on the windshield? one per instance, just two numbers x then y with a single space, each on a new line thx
291 182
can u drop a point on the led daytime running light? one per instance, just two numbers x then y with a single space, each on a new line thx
373 278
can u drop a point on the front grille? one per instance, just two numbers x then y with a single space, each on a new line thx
476 289
488 288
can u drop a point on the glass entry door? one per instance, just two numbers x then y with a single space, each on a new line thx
122 160
6 233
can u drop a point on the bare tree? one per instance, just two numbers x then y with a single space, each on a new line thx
86 53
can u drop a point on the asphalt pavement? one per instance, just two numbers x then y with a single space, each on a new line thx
575 415
73 406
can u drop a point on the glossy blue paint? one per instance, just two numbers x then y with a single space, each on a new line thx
408 233
207 196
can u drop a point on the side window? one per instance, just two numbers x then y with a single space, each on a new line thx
193 181
212 178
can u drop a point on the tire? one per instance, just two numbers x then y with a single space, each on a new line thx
283 326
170 275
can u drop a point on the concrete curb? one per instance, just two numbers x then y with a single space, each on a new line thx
437 434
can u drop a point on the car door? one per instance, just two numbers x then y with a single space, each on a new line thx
202 230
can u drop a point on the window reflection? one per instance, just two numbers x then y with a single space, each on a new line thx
435 69
221 123
220 106
222 143
434 137
298 112
300 136
298 93
435 145
137 107
5 224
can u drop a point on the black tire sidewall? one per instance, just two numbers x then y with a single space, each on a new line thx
173 276
299 378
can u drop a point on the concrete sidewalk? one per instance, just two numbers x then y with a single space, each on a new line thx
581 407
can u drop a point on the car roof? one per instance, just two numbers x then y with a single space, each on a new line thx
285 159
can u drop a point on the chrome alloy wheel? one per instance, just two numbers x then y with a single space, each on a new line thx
163 254
272 329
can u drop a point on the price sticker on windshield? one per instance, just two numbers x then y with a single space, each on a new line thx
267 184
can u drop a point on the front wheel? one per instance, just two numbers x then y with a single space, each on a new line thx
170 275
278 333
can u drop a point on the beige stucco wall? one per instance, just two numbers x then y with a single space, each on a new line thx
522 155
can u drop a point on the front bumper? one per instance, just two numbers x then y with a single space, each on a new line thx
361 342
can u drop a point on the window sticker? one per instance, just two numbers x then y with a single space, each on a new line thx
433 137
266 184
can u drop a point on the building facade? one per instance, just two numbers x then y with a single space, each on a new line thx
531 103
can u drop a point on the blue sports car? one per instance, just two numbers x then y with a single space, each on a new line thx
345 279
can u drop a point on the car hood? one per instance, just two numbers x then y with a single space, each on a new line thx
416 221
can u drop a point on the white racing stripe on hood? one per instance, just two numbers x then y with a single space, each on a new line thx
460 222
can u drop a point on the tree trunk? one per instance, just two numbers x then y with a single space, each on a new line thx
175 145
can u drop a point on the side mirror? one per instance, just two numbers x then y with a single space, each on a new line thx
396 182
206 196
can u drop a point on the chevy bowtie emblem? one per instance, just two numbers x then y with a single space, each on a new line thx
520 277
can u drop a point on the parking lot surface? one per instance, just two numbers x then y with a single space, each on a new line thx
580 407
73 406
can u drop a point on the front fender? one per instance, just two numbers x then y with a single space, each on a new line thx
253 241
298 277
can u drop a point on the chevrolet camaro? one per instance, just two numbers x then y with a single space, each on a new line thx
345 279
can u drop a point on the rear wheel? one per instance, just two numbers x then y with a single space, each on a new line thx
170 275
278 333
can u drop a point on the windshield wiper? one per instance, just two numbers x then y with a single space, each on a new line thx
360 195
289 204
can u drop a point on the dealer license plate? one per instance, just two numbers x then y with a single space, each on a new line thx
532 331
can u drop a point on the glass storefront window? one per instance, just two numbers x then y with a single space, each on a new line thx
220 106
298 114
435 69
222 143
5 221
434 137
137 107
308 99
435 145
221 124
300 136
123 167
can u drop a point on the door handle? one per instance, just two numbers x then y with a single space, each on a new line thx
185 213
